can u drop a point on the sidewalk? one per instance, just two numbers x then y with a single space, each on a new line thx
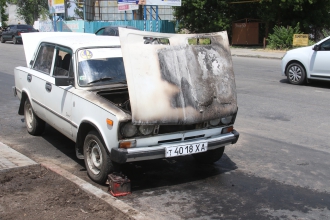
257 53
10 158
29 190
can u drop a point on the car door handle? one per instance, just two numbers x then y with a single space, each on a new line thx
48 87
29 77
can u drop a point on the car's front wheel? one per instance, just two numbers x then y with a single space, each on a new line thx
296 74
97 159
210 156
34 125
2 40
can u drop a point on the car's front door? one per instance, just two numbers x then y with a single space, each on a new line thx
320 61
58 99
6 35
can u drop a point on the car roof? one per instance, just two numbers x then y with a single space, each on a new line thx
83 41
123 26
71 40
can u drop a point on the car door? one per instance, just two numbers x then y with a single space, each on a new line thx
6 34
58 99
38 76
320 61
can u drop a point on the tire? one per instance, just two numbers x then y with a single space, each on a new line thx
97 159
14 40
34 125
210 156
2 40
296 74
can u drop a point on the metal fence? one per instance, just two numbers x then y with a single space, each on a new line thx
107 10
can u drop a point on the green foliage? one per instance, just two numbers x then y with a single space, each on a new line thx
325 32
282 37
31 10
202 16
78 11
4 16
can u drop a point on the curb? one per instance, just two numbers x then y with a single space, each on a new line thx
256 56
89 188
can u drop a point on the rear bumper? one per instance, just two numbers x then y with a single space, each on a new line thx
121 156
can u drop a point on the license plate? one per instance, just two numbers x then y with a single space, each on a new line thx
174 151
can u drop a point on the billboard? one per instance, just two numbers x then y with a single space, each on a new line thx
300 40
152 2
160 2
127 7
56 6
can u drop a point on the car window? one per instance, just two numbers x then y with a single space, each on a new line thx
26 27
44 59
100 32
110 32
100 66
62 62
325 45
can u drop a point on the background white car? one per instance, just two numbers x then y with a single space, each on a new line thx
305 63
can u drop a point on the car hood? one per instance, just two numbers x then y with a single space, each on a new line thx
178 83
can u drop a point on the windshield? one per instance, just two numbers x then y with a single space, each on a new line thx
100 66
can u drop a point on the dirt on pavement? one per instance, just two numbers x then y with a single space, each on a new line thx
37 193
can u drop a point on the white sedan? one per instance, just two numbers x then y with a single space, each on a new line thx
122 100
312 62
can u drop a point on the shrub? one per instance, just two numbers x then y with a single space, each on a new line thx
282 37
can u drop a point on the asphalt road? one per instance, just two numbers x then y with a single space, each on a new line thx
279 169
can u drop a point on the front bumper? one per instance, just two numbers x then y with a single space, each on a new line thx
121 156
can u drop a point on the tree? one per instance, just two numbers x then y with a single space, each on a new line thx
31 10
201 16
214 15
4 16
79 11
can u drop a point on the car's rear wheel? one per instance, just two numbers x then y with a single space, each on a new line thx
210 156
97 159
2 40
296 74
14 40
34 125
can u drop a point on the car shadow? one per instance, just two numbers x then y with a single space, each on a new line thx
173 171
312 83
62 143
152 173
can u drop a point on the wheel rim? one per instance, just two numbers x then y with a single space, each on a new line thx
295 73
94 157
29 116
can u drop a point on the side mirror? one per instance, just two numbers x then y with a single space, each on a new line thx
316 47
64 81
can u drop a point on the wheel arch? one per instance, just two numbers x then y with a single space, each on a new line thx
21 105
296 61
84 128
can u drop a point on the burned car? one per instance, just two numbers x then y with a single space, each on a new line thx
121 100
